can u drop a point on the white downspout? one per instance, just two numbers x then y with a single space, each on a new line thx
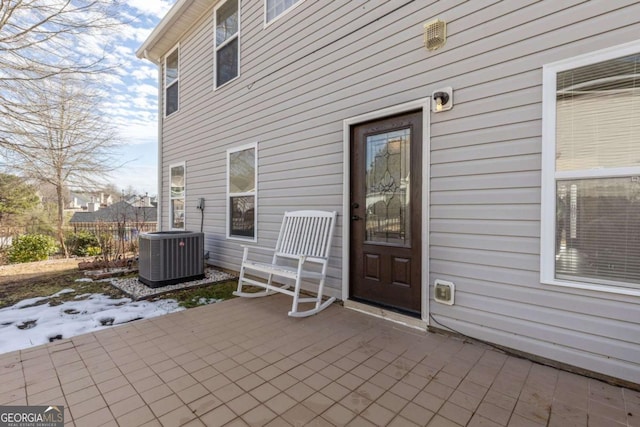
160 160
160 123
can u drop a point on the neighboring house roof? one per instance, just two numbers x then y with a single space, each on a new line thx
176 22
117 213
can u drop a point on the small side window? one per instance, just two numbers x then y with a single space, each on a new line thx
242 184
171 82
177 196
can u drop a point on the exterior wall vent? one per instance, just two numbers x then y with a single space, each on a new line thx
170 257
435 34
444 292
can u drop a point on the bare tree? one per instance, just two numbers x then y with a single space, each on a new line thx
40 39
62 139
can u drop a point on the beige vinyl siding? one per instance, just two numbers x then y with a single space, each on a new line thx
327 61
485 198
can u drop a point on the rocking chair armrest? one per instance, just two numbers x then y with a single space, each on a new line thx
258 248
307 258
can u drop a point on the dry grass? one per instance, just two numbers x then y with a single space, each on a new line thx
40 279
13 273
44 278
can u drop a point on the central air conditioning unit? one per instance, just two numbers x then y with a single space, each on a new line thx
170 257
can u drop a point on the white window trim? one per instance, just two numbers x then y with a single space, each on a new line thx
164 79
549 174
268 24
171 198
254 239
215 46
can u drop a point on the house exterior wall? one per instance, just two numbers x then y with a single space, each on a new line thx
325 62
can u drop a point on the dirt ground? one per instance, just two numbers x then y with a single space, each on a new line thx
12 273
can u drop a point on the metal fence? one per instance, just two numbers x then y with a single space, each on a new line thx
120 238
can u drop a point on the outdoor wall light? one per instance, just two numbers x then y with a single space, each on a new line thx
442 100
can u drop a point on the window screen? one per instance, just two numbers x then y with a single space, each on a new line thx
597 222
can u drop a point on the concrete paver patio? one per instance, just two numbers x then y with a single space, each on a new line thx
245 362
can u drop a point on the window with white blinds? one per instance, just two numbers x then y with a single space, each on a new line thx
591 171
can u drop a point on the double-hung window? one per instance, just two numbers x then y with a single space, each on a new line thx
177 195
171 77
242 184
275 8
227 42
590 236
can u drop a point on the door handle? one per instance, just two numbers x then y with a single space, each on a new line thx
355 217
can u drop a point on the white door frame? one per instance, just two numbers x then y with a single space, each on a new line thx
425 105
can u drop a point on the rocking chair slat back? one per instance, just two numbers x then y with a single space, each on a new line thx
305 233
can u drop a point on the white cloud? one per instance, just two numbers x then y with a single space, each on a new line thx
139 132
146 90
111 79
139 34
124 51
143 179
156 8
143 72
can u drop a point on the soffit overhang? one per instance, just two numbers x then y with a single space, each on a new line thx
164 37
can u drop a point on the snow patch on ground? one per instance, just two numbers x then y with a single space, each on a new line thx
62 292
205 301
26 302
24 325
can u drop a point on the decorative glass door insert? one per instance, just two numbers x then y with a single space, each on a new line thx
387 178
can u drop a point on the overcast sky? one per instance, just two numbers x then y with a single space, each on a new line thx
134 96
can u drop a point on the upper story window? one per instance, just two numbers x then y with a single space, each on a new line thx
242 184
171 77
275 8
227 42
177 196
591 171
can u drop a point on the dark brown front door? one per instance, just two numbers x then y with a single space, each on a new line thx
386 212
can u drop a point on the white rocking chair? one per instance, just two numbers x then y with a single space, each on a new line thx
305 237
